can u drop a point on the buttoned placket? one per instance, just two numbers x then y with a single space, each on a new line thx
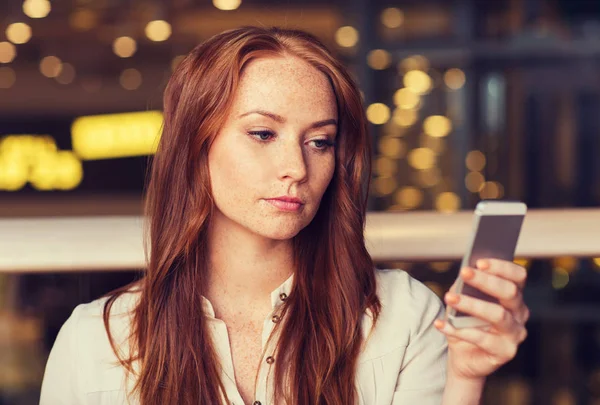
263 389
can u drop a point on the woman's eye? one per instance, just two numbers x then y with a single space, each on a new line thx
323 143
262 135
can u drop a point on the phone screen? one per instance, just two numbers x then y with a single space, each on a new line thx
496 238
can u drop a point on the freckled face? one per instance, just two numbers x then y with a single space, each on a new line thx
276 142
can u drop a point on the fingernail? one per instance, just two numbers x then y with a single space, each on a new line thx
452 297
438 323
467 273
482 264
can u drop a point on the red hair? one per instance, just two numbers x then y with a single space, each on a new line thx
334 283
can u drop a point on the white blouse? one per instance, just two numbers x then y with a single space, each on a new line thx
402 363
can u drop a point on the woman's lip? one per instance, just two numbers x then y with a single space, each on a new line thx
285 205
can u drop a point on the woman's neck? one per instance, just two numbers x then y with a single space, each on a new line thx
244 268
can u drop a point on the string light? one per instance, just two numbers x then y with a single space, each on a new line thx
421 158
392 147
409 197
474 182
475 160
405 118
418 82
385 185
83 19
404 98
67 74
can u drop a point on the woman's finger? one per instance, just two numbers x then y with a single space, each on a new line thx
499 346
493 285
504 269
495 314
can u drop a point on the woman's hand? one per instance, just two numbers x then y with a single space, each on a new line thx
474 353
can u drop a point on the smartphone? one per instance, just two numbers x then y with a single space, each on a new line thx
496 229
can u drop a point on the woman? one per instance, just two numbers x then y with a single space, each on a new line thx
259 288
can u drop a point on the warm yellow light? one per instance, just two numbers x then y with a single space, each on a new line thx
405 118
417 81
378 113
447 202
124 47
415 62
522 262
475 161
409 197
474 182
596 261
429 177
69 171
8 77
440 267
560 278
346 37
454 78
568 263
385 185
51 66
130 79
421 158
392 17
67 74
36 8
379 59
83 19
392 147
385 167
176 61
8 52
116 135
13 174
18 33
404 98
227 5
158 30
491 190
437 126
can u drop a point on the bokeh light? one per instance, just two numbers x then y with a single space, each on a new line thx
392 17
8 77
437 126
51 66
475 160
124 47
346 37
36 8
454 78
405 118
409 197
417 81
8 52
130 79
18 33
227 5
406 99
422 158
158 30
447 202
378 113
379 59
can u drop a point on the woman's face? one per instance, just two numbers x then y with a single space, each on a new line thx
277 142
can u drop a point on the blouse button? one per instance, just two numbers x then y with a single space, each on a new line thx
282 296
275 318
256 403
270 360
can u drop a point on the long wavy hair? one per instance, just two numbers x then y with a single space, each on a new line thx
334 277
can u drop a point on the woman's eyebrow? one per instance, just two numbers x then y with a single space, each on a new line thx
281 120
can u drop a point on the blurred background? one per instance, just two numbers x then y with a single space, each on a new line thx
467 100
